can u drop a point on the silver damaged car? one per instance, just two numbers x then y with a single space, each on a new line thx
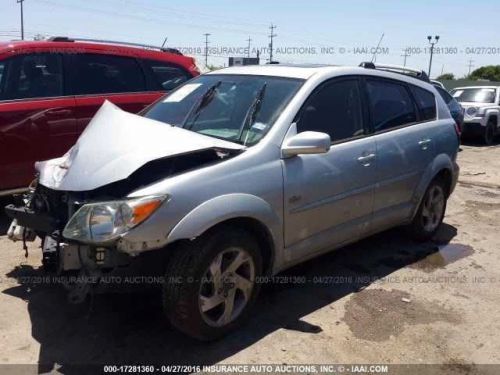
237 175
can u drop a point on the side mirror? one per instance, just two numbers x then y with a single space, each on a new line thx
306 143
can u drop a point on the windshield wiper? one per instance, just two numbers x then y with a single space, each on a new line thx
195 111
252 112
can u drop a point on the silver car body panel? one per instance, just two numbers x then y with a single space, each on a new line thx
309 204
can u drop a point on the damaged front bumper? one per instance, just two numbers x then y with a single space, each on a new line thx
86 268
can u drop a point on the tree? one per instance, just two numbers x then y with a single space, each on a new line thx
446 77
489 72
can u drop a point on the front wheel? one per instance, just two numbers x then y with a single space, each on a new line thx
430 213
489 133
211 283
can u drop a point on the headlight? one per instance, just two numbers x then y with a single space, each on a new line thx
471 111
106 221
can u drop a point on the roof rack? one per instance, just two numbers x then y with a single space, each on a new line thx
415 73
67 39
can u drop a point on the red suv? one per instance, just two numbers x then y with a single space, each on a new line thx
49 91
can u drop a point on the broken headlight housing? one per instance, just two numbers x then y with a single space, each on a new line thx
102 222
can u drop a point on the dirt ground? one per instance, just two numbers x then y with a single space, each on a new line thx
383 300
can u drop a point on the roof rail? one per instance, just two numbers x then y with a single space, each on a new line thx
416 73
147 46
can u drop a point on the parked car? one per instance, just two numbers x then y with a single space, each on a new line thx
49 91
438 84
238 175
482 108
456 110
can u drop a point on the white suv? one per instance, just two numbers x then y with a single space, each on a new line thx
482 108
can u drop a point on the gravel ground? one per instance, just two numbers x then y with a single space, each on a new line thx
383 300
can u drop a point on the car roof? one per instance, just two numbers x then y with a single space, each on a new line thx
19 46
277 70
307 71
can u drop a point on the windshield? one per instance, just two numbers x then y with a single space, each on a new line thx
235 108
476 95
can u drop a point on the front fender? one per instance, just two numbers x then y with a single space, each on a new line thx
211 213
225 207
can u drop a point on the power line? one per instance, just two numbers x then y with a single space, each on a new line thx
272 35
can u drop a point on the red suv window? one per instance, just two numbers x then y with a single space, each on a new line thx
103 74
32 76
165 76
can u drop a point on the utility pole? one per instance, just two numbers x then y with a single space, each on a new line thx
22 18
405 55
249 40
436 39
206 48
271 37
470 66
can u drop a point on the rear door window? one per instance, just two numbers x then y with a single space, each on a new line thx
390 104
104 74
32 76
165 76
426 103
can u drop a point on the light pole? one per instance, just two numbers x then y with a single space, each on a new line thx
22 18
436 39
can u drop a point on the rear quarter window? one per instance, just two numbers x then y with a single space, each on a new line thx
426 103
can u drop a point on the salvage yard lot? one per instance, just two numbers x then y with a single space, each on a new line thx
383 300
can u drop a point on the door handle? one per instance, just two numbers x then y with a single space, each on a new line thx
366 159
424 144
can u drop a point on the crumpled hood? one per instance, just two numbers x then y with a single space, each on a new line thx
114 145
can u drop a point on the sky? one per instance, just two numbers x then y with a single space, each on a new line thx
314 31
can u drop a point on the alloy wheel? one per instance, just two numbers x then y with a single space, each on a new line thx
226 287
432 212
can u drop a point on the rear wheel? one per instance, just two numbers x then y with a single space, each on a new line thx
211 283
430 213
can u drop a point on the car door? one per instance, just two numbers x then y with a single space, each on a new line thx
403 137
328 198
99 77
36 117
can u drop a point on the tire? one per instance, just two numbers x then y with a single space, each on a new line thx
197 298
429 215
490 133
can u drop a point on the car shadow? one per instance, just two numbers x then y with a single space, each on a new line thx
130 328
